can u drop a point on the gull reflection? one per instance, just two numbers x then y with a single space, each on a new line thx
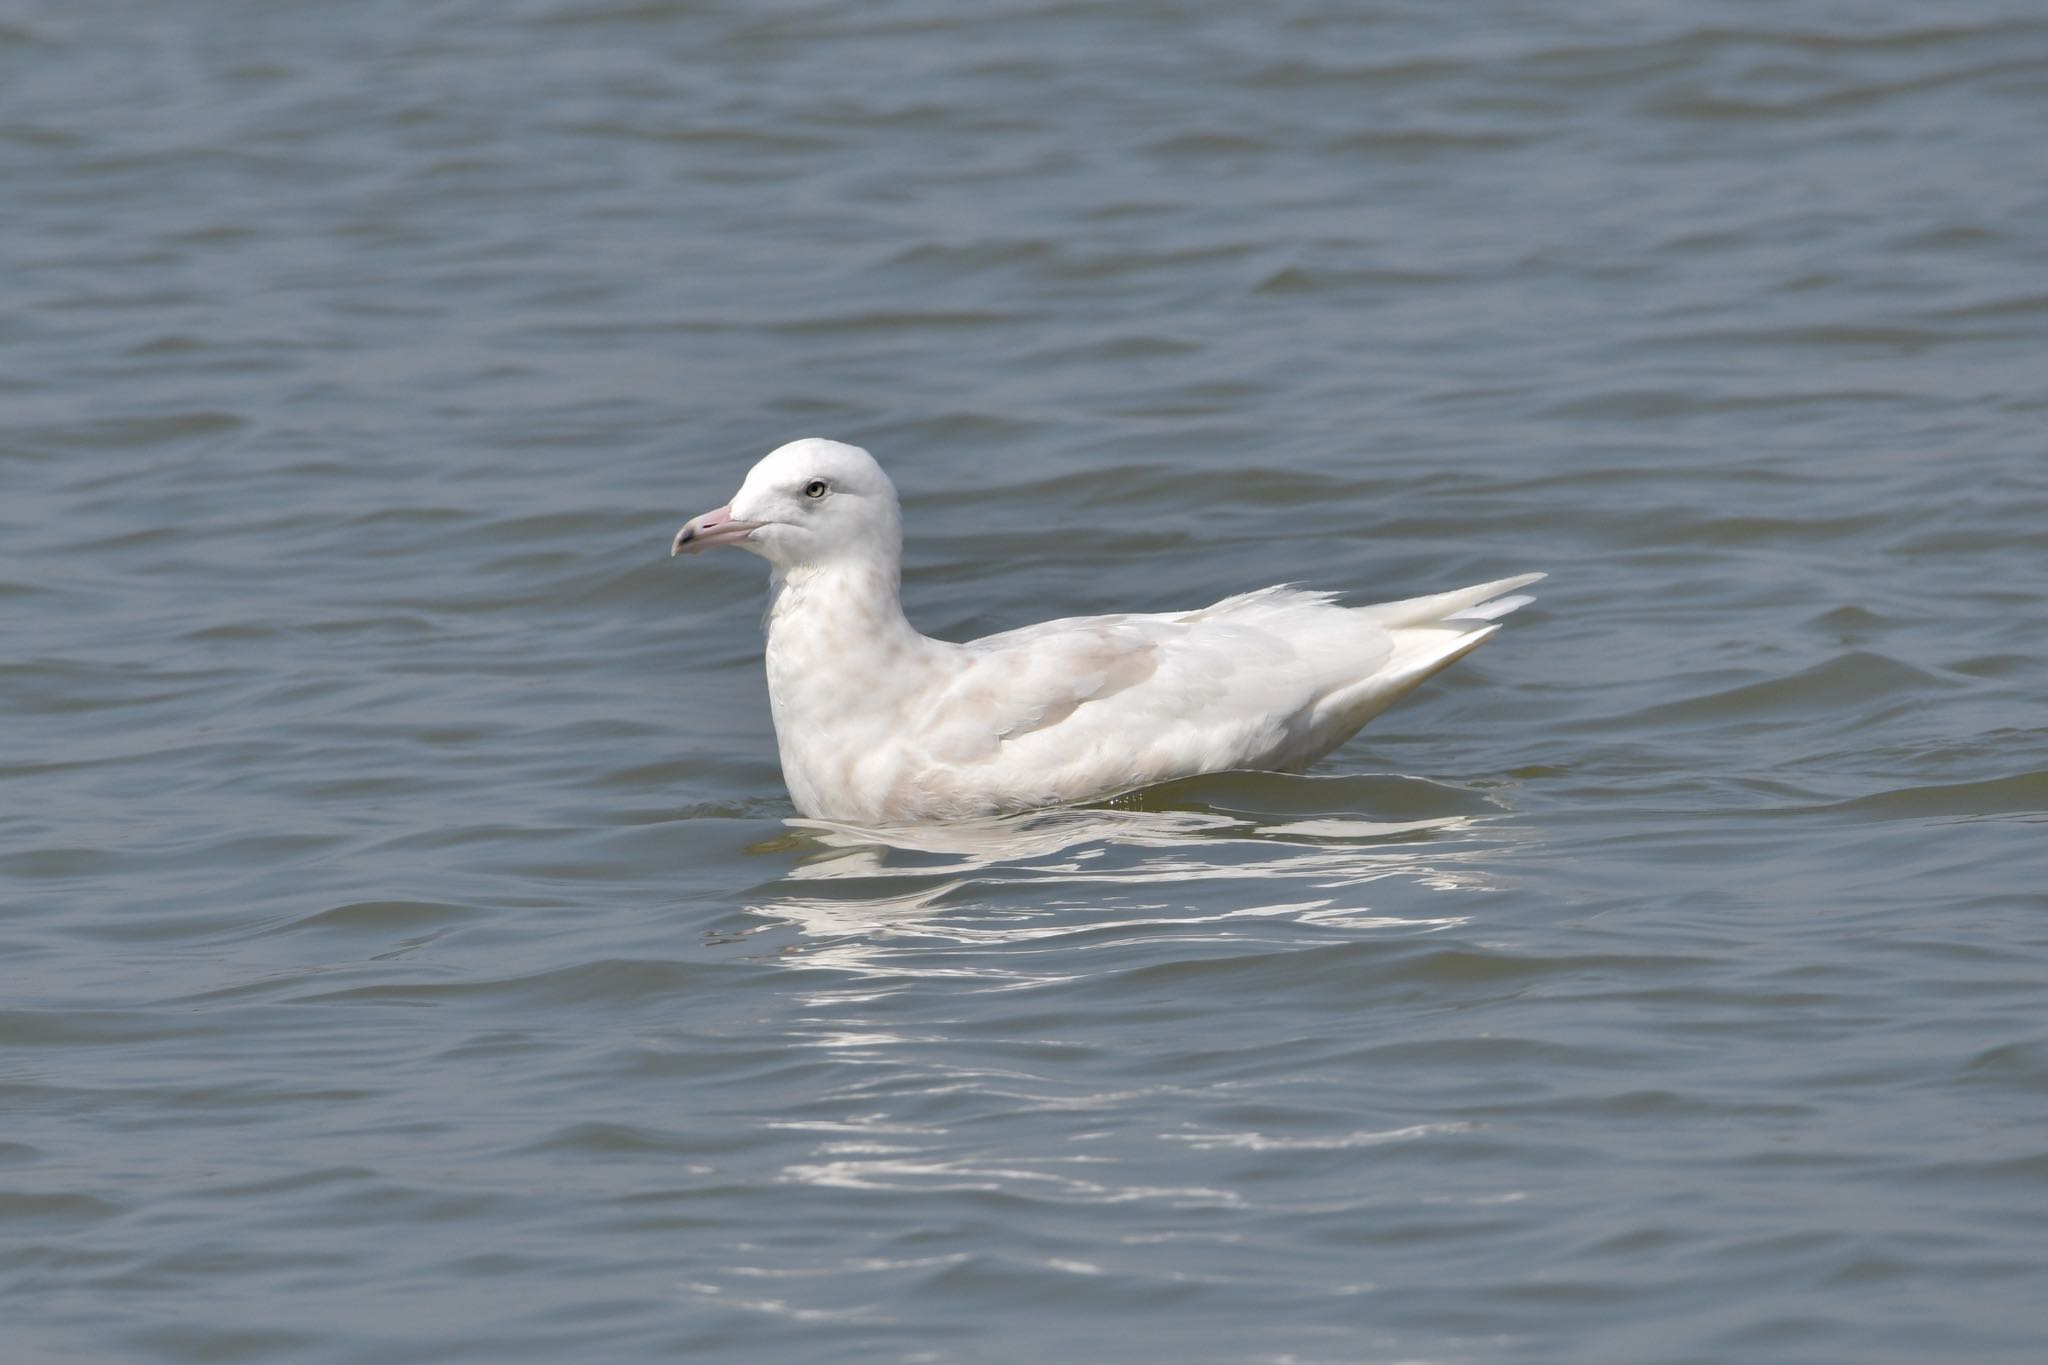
1102 909
1255 857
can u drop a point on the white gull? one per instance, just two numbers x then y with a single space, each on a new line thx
878 724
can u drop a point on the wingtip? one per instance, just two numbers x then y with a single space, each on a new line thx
1492 609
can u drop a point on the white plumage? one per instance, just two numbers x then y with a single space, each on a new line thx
879 724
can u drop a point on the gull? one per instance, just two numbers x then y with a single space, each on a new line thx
878 724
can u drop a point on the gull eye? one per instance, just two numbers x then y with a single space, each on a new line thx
815 488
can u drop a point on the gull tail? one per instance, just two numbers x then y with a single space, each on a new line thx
1481 602
1429 635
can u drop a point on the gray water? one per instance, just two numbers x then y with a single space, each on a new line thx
408 953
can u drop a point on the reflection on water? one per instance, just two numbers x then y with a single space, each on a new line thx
891 900
1166 906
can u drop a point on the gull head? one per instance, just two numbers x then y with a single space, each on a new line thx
806 505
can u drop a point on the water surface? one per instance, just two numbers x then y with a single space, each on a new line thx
409 952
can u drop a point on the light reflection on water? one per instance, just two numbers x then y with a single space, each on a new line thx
893 926
881 901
